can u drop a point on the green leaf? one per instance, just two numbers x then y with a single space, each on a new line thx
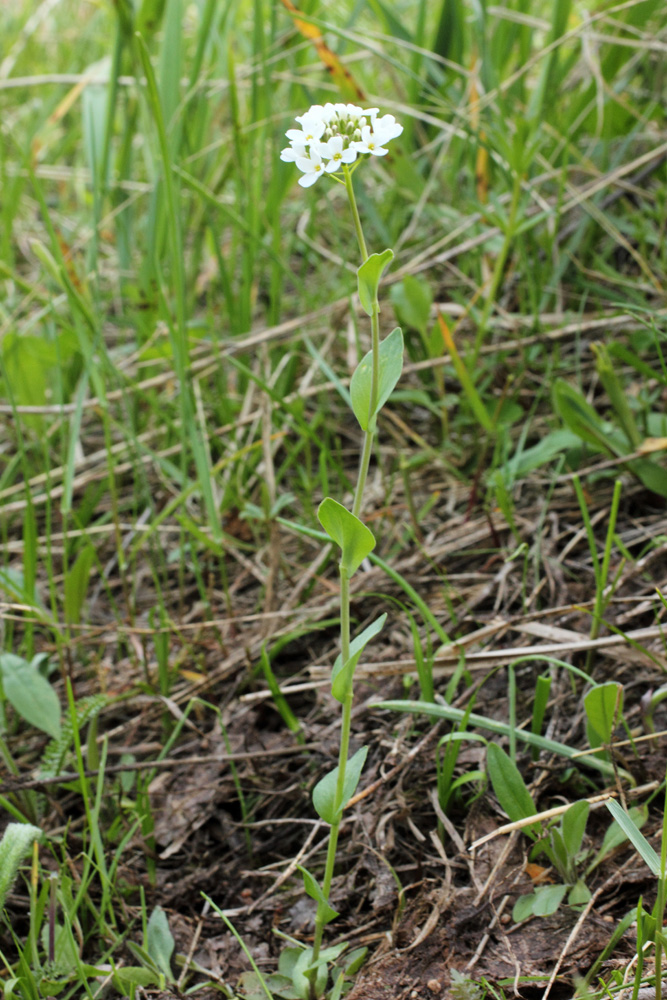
30 694
354 960
558 853
160 942
574 827
16 843
510 787
579 894
129 976
636 838
523 908
341 677
302 967
314 890
368 278
547 899
390 368
354 538
603 705
615 835
324 792
651 475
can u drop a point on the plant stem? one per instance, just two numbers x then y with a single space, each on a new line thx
345 595
375 347
342 763
355 213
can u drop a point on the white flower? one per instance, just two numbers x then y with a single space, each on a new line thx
314 113
370 142
311 167
310 132
387 127
333 135
334 151
290 153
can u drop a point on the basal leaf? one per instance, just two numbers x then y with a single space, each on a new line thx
574 827
510 787
603 705
159 941
30 694
547 899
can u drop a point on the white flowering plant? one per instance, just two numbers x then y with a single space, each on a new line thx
335 136
335 139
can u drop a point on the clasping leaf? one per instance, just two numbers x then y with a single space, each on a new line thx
390 368
354 538
324 792
341 677
368 278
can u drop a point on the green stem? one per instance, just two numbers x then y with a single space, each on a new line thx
355 213
345 593
342 764
375 347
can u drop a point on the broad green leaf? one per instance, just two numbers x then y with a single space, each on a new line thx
30 694
636 838
304 965
128 977
160 942
510 787
254 987
547 899
342 674
651 475
390 368
354 960
579 894
603 705
315 892
523 908
368 278
354 538
16 843
574 827
324 792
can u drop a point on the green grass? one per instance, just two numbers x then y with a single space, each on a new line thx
177 333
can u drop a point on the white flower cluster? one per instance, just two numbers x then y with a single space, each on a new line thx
335 134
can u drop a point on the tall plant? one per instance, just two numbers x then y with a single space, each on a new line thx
334 140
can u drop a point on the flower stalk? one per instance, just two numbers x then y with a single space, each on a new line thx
333 140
